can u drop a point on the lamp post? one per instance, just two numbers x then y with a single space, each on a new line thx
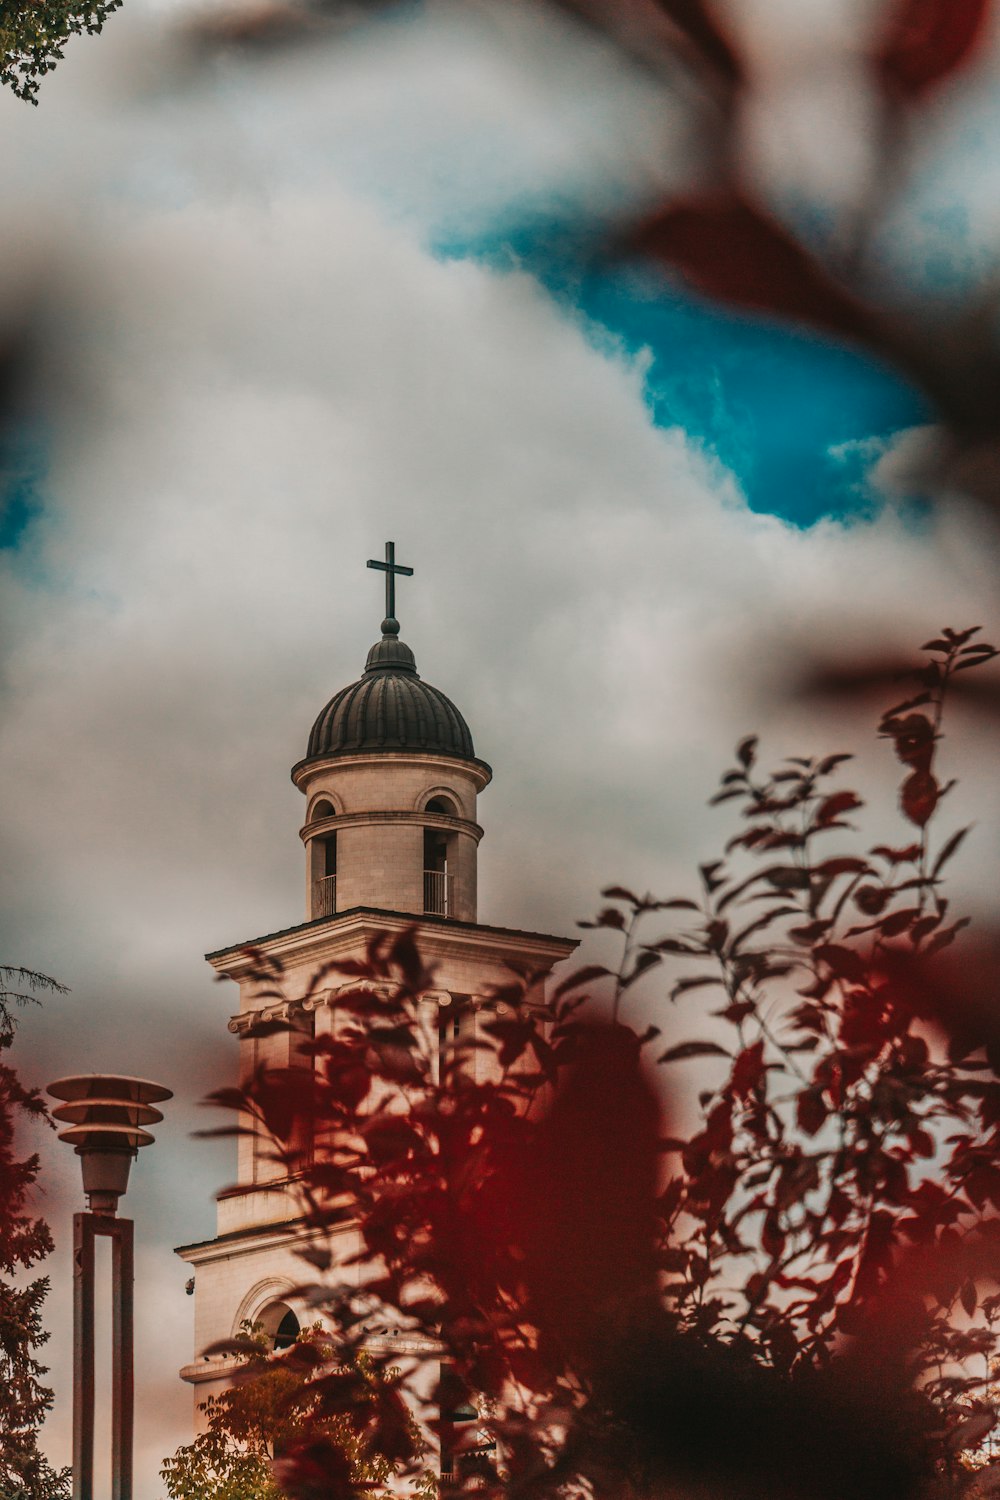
107 1114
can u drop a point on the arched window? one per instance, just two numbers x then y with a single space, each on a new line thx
442 805
323 809
280 1324
287 1331
439 858
438 874
324 876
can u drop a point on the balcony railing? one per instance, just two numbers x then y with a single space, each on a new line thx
438 893
324 896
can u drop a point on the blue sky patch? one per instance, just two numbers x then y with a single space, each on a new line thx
22 466
769 402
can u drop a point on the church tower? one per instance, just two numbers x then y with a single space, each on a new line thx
391 834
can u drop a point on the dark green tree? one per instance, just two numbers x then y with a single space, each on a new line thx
33 34
25 1473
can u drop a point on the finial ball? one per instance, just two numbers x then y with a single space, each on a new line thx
390 626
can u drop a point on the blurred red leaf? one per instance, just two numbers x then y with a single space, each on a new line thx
748 1071
810 1110
927 40
898 856
654 31
693 17
832 807
319 1470
846 963
746 751
948 850
918 797
870 899
898 921
970 1297
582 976
913 738
734 251
621 893
583 1214
843 864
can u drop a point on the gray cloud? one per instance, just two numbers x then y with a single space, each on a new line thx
254 373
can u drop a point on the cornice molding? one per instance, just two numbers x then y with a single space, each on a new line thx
444 821
477 770
269 1236
347 933
328 998
209 1367
271 1010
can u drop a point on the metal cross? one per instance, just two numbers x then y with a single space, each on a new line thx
390 568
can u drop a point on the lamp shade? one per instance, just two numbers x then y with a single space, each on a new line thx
106 1113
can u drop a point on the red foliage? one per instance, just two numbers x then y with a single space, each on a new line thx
927 41
597 1145
734 251
817 1263
696 20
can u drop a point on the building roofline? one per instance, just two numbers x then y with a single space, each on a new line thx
394 918
250 1231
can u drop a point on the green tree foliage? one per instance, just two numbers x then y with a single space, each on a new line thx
33 34
213 1467
270 1406
24 1240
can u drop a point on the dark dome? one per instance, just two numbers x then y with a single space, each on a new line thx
390 708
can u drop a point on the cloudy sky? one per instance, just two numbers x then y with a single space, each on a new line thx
288 305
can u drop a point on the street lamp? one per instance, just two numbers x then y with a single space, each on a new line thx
107 1115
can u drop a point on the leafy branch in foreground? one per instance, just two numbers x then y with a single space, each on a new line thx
795 1293
33 34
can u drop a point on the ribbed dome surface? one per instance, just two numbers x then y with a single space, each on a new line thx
390 708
